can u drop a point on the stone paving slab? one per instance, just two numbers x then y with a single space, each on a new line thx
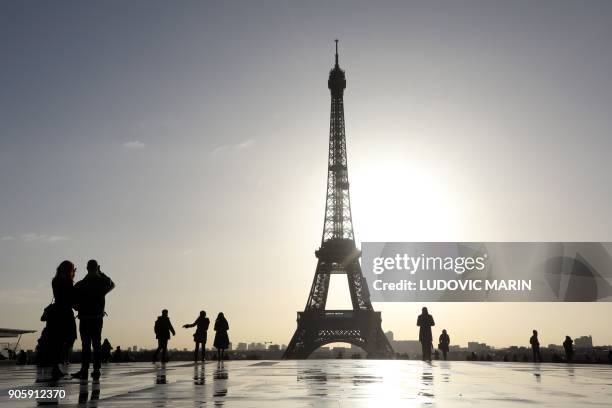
326 383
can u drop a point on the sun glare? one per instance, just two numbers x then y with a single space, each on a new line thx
399 201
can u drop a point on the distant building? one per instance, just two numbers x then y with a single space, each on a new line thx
583 342
411 347
241 347
477 347
274 347
322 352
341 352
389 335
256 346
357 350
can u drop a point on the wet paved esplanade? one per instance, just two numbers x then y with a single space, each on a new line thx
328 383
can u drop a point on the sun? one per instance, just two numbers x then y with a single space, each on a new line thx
400 200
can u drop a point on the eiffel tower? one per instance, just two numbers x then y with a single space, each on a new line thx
338 254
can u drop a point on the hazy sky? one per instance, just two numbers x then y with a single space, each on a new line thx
184 146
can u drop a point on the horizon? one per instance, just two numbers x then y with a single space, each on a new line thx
185 150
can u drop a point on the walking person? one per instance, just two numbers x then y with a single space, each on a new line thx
425 321
444 343
90 293
535 347
221 342
162 329
568 346
199 337
62 325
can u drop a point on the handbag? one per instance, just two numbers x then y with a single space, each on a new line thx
48 312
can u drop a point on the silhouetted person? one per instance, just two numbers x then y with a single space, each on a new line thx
117 355
22 358
221 342
444 343
106 351
61 323
90 293
201 323
535 347
568 346
163 328
425 321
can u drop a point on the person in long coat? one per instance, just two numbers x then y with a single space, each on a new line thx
425 321
444 343
221 338
568 346
535 347
201 324
62 325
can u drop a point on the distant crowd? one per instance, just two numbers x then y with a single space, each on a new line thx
425 321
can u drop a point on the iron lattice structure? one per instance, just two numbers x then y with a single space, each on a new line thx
338 254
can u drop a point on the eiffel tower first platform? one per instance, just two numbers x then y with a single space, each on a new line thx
338 254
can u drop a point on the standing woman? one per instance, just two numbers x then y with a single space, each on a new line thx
201 323
63 325
221 339
444 343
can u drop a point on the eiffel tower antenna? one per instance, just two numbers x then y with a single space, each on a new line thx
337 52
338 254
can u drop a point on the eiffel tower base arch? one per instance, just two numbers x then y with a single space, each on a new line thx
361 328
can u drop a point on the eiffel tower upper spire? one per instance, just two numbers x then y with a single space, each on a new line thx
337 54
337 79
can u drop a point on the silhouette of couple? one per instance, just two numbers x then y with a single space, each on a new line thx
163 328
87 297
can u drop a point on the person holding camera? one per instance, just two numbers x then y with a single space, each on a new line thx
90 293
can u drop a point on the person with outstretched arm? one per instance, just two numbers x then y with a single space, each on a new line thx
199 337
